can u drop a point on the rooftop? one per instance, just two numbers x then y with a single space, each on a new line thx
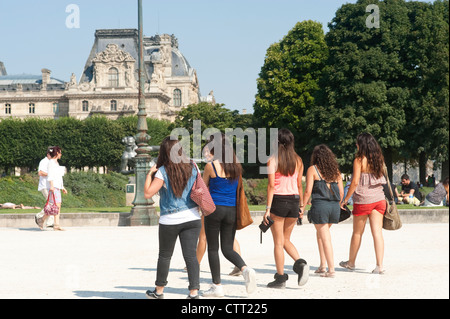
26 79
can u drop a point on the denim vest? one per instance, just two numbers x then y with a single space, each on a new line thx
168 202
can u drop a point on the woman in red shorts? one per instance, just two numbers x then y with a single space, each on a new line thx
368 199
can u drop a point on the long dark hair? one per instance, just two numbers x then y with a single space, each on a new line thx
287 157
326 162
370 149
178 170
226 156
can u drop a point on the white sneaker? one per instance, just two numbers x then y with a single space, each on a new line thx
214 291
250 279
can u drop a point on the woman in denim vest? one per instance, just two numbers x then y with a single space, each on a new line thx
173 177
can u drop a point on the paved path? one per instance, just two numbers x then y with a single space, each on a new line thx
120 263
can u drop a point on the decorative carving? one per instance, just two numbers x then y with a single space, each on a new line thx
73 80
113 54
85 86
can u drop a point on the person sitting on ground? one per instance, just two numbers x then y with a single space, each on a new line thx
437 196
14 206
410 193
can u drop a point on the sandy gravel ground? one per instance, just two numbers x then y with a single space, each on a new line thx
120 263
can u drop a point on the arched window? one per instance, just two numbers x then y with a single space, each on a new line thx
113 76
176 97
113 105
85 106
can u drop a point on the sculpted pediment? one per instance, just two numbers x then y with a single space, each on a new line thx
113 54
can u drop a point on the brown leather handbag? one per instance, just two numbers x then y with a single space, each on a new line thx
391 219
243 218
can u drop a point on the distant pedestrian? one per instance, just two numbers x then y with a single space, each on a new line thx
55 184
42 187
368 199
222 176
284 200
173 177
324 184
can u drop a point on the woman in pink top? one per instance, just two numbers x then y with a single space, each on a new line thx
368 198
284 197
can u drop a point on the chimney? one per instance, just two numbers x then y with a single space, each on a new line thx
2 69
45 77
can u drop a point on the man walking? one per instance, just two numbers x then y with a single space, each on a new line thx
42 187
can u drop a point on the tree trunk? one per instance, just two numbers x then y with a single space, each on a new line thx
423 167
444 169
388 162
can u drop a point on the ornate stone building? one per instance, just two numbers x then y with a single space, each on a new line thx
109 82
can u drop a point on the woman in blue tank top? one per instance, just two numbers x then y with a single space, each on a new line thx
222 176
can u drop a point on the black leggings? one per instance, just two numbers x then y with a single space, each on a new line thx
188 233
223 222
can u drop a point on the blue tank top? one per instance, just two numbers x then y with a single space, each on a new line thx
223 190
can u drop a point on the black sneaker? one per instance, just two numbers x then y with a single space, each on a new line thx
193 297
301 268
153 295
280 281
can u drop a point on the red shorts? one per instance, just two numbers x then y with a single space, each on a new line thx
366 209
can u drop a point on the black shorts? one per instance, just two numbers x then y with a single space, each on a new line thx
285 206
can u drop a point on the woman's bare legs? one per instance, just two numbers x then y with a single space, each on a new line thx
376 226
325 247
281 232
359 223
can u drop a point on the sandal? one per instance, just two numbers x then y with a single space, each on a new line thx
321 270
328 274
346 265
57 227
377 271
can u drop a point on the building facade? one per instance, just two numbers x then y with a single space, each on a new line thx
109 83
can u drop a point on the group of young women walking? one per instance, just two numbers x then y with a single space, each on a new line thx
180 216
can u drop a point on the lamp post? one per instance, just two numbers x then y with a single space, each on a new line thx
143 212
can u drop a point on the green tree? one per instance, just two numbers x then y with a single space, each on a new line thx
289 78
428 113
219 117
211 115
364 87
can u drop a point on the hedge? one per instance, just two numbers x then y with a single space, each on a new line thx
93 142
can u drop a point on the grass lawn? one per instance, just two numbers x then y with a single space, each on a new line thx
127 209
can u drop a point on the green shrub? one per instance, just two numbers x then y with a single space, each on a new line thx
85 189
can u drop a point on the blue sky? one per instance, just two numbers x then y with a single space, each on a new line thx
224 40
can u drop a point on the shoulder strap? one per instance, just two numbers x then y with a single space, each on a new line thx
318 172
387 180
214 167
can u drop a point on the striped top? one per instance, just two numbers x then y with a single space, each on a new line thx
369 189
